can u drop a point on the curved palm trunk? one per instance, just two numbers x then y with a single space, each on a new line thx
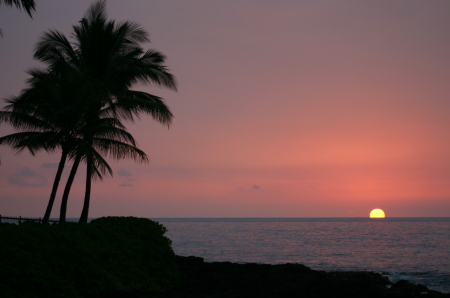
65 197
48 211
87 195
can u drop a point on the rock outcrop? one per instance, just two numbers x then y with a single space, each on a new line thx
230 280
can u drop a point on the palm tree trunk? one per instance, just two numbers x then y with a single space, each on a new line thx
87 195
65 197
48 211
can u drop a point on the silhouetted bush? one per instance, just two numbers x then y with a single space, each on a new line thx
85 260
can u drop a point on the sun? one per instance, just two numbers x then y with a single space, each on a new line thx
377 213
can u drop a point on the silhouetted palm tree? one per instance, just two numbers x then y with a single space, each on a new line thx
54 112
27 5
110 58
105 137
47 116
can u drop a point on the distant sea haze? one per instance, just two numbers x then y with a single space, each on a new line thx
416 249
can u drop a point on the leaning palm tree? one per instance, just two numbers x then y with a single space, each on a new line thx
93 153
109 138
110 58
52 108
47 116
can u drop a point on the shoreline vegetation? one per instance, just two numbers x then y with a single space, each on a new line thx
118 257
75 260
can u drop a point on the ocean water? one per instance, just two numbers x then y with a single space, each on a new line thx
416 249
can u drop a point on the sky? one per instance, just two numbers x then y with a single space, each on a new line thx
284 109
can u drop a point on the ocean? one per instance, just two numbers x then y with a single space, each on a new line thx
416 249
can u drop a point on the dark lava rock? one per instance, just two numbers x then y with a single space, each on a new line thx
414 290
230 280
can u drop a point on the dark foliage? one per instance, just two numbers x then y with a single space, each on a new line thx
27 5
85 260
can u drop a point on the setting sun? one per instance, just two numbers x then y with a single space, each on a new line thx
377 213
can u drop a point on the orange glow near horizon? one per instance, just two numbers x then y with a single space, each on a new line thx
377 213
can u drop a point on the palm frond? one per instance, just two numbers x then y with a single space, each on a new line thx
33 141
27 5
120 150
96 13
113 133
153 72
24 121
99 165
54 49
131 33
132 103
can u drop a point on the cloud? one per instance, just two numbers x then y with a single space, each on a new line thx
49 165
27 172
125 185
253 187
123 172
27 177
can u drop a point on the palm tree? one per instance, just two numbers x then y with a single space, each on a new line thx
48 116
51 110
27 5
109 137
110 58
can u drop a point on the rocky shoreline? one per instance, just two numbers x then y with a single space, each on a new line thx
225 280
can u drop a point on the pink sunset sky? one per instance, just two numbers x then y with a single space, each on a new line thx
284 109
